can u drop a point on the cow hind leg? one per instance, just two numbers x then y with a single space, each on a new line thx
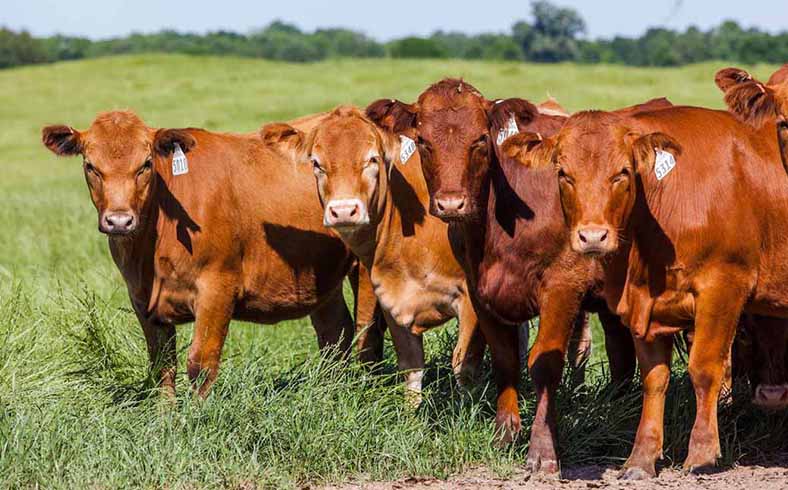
654 359
333 324
717 313
620 349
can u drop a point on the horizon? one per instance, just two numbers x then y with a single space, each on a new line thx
43 18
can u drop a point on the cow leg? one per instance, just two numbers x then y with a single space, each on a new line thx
716 317
370 326
410 359
504 350
620 349
654 360
558 311
579 351
162 354
333 324
469 351
215 302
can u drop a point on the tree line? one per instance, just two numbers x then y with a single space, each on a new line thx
553 34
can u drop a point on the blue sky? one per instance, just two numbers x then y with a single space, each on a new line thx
381 19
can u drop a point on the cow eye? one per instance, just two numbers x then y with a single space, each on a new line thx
90 168
316 166
146 166
621 176
375 160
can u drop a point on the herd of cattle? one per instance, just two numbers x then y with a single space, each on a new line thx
661 219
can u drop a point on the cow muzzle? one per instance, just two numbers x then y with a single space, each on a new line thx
450 207
594 240
345 213
772 397
118 223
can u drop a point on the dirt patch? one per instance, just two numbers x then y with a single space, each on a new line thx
592 477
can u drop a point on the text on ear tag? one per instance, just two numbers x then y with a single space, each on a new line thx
663 163
407 148
509 130
180 165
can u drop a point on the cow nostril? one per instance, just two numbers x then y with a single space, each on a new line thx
353 211
440 205
603 237
582 237
462 205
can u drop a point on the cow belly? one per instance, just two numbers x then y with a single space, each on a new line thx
410 303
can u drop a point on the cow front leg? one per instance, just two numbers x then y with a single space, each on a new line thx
579 350
717 310
333 324
469 351
654 360
214 309
558 311
410 359
162 354
620 349
504 350
370 325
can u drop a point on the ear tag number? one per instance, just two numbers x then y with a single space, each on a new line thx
663 163
180 165
407 148
510 130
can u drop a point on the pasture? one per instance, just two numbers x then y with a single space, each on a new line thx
75 404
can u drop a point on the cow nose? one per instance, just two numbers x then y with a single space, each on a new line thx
450 206
345 212
772 396
118 223
593 239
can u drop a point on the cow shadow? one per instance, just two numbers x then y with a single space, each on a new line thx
173 209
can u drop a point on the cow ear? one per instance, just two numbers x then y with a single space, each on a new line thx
165 139
728 77
501 112
285 139
644 149
62 140
393 115
749 100
529 149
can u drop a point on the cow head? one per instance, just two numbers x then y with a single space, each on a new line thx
118 152
455 130
350 158
598 162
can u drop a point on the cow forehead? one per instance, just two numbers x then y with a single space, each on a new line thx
117 136
591 147
346 137
453 125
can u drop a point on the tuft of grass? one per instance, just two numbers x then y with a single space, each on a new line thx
77 408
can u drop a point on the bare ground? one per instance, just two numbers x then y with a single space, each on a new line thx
594 477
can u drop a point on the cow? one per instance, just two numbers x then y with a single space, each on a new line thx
518 260
377 205
209 227
764 341
685 208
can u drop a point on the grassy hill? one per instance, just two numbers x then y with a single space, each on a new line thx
74 411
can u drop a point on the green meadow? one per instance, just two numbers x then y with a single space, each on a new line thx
76 409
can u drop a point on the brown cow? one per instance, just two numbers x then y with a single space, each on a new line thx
518 257
765 340
378 207
237 235
658 197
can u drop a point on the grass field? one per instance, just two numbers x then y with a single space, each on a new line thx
74 407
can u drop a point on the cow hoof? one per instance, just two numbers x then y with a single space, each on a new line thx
635 473
700 468
507 428
542 467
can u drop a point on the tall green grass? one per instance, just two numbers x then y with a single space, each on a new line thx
76 406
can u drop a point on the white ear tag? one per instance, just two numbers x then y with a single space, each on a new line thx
510 130
180 165
407 148
663 163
